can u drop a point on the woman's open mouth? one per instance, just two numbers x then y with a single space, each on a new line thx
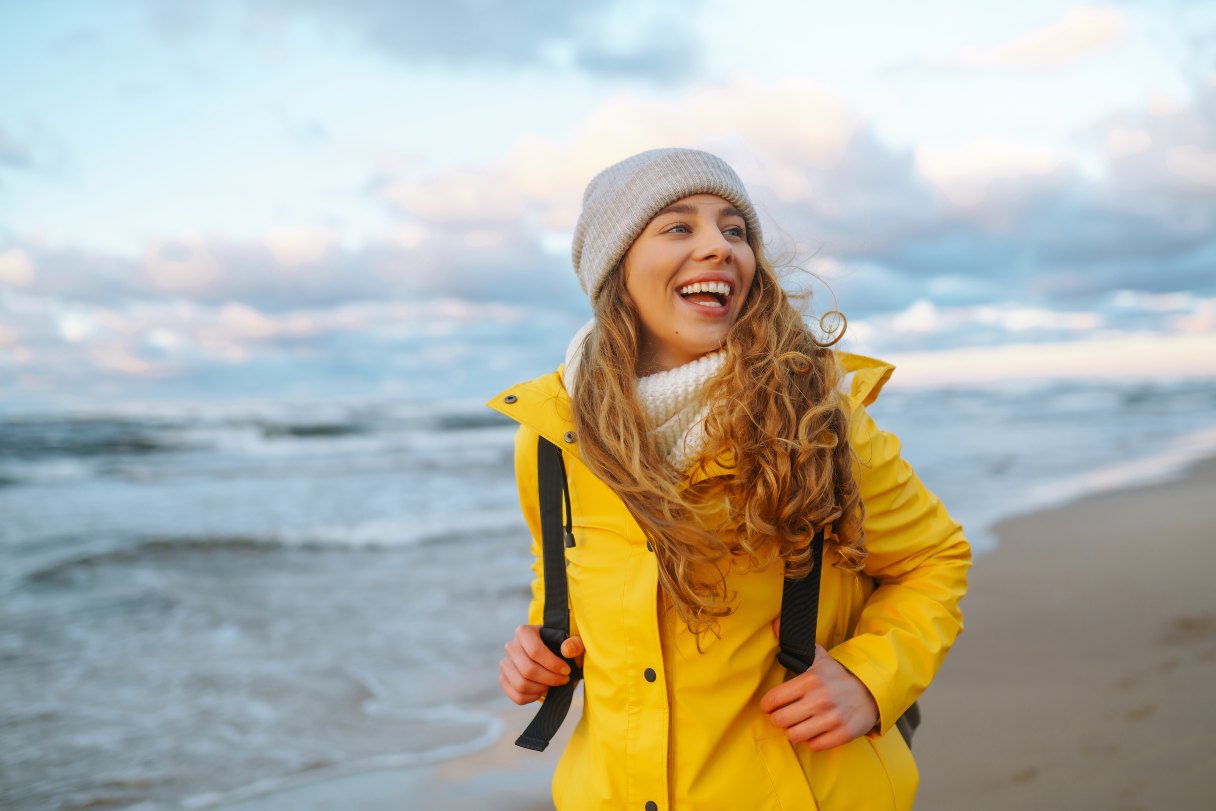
707 294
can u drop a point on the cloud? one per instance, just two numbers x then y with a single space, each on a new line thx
965 175
608 37
300 245
797 142
1130 204
1146 218
974 224
55 348
69 272
177 21
1168 147
304 267
1192 166
13 153
926 326
1115 358
1200 320
970 224
986 243
16 268
1078 33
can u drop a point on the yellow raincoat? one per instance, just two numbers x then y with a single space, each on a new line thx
667 727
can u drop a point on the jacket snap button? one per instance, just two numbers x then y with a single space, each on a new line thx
651 805
650 674
569 436
649 546
510 398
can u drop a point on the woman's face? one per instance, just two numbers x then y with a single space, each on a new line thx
688 274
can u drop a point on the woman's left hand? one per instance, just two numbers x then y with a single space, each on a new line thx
825 706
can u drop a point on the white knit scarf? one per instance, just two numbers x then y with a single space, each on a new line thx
672 400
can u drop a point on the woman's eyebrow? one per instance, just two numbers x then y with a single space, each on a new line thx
678 208
686 208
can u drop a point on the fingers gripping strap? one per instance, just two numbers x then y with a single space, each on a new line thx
800 614
553 488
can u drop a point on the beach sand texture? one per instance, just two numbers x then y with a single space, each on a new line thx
1084 679
1086 676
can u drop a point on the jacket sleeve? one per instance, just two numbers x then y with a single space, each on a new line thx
529 503
919 559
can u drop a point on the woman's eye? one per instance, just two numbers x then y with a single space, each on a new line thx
677 227
735 231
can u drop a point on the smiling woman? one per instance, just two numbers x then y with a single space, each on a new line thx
709 458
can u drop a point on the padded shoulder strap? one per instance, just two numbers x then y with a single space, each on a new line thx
799 621
800 614
553 488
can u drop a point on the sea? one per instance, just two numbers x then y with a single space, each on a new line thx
202 603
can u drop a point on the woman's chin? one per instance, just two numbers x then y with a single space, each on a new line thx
700 348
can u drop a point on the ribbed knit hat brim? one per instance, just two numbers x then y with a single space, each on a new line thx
621 200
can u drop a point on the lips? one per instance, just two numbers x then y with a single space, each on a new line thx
708 294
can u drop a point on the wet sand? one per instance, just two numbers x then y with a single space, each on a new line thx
1086 676
1084 679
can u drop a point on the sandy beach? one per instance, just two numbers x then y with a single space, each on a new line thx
1083 679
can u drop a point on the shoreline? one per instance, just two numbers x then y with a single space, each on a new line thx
1081 680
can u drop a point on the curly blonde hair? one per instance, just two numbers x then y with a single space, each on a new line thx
777 421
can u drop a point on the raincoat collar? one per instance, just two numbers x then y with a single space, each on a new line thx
543 405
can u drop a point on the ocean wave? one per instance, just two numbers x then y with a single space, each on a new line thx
87 433
312 430
36 438
372 535
60 569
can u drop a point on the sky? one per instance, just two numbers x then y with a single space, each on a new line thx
315 199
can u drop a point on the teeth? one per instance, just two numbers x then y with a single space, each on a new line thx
721 288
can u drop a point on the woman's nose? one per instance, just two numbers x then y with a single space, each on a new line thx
714 245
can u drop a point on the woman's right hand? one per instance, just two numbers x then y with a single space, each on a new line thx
529 669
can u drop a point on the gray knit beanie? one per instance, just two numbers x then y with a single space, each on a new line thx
621 200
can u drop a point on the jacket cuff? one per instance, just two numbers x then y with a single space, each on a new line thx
877 678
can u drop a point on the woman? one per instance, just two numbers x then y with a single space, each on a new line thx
706 438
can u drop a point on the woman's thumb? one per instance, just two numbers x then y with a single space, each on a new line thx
572 647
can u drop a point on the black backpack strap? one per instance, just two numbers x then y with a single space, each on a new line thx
799 618
555 537
800 614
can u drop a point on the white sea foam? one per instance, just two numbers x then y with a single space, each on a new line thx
406 530
1164 465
